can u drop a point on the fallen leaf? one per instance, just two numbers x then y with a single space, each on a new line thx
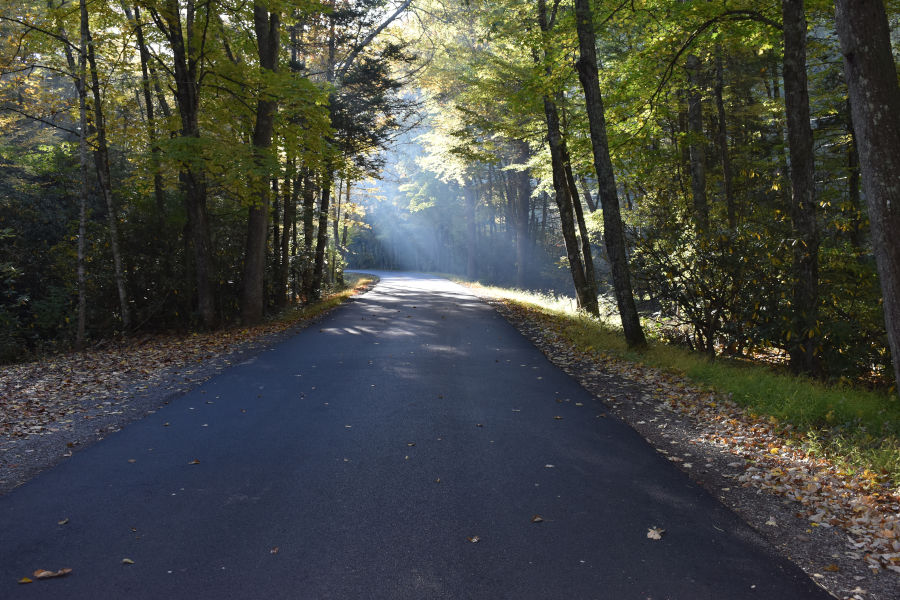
438 480
772 522
410 444
274 550
655 533
127 561
831 568
537 519
63 522
474 539
132 460
479 425
25 580
194 462
558 418
44 574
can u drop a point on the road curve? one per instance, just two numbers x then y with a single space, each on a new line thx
363 458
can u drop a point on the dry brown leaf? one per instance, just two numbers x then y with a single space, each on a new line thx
194 462
474 539
537 519
127 561
45 574
655 533
25 580
274 550
832 568
63 522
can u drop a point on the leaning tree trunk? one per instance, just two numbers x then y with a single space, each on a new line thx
805 340
101 157
875 101
585 296
266 26
613 230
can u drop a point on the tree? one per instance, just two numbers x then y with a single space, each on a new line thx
875 102
267 28
613 230
804 349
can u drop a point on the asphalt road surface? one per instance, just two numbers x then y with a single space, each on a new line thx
359 458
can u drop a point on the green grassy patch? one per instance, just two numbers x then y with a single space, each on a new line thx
856 428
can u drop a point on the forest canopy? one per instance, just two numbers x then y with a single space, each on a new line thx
705 171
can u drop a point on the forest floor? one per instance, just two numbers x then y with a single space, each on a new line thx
842 528
51 408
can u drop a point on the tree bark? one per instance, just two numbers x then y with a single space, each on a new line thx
875 101
152 131
289 215
724 155
186 65
697 142
520 211
613 229
804 342
266 26
585 297
83 196
315 291
471 195
101 158
309 215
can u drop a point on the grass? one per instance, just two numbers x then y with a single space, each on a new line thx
857 429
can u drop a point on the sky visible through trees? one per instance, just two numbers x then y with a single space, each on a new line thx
717 173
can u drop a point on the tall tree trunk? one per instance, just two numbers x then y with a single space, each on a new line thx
471 195
186 66
584 295
520 212
585 189
724 156
101 158
804 343
853 175
266 25
288 225
152 131
875 101
586 253
613 229
315 291
696 146
309 215
83 195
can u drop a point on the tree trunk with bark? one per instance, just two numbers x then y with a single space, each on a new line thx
863 29
696 146
266 26
613 229
805 339
186 65
724 156
101 159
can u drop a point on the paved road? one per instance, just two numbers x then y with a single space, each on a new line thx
355 459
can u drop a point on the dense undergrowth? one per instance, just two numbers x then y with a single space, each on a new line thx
858 429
